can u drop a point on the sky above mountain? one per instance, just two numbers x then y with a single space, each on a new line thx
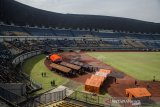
146 10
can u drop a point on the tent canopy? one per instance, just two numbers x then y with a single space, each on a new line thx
55 57
138 92
97 78
60 68
92 86
93 83
105 71
72 66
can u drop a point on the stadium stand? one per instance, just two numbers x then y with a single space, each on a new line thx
62 32
106 35
19 40
12 76
82 33
9 30
4 104
110 40
40 31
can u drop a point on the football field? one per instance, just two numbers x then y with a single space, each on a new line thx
140 65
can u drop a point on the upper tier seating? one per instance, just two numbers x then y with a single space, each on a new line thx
12 31
7 30
141 36
62 32
107 35
40 31
81 33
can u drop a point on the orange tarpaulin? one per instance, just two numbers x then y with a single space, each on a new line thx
138 92
105 70
94 83
97 78
55 57
103 73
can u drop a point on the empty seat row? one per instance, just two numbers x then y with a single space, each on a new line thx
67 104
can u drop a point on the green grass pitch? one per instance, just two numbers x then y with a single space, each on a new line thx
140 65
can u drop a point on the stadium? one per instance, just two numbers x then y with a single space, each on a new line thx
50 59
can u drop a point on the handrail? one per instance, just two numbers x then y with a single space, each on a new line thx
24 56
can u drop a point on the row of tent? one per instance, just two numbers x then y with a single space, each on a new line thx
64 67
94 83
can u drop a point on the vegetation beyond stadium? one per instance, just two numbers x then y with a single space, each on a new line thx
140 65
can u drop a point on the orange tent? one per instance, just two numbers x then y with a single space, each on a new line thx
55 58
97 78
105 71
92 85
102 74
137 92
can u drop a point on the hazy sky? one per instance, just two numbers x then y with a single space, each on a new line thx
147 10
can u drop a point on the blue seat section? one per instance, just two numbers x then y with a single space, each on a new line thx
124 35
62 32
141 36
107 35
9 30
152 44
80 32
114 43
40 31
61 43
156 37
